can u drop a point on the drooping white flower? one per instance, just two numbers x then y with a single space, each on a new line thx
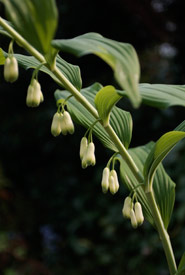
37 94
127 206
112 185
83 146
139 213
63 125
105 180
11 69
29 96
133 219
68 123
56 125
84 163
116 182
89 156
34 94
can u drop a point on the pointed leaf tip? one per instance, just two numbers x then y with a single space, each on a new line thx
105 99
161 148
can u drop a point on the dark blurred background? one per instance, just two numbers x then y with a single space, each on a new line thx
54 219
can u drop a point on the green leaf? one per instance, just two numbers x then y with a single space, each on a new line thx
161 95
2 58
121 57
164 193
164 190
105 99
83 117
71 72
35 20
159 151
181 267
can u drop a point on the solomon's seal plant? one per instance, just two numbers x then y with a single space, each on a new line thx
94 107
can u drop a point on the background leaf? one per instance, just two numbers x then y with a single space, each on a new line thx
161 95
105 99
71 72
120 120
35 20
164 193
120 56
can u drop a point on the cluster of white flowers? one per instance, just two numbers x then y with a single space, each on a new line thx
34 94
11 69
109 181
62 123
133 212
87 153
11 73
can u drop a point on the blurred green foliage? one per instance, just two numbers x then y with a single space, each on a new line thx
54 219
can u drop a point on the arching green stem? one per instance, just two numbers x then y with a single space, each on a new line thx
70 87
163 234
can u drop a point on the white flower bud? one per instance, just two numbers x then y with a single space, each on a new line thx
127 207
84 163
112 185
89 156
139 213
133 219
114 174
11 69
83 146
29 96
56 125
69 123
63 125
105 180
36 93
